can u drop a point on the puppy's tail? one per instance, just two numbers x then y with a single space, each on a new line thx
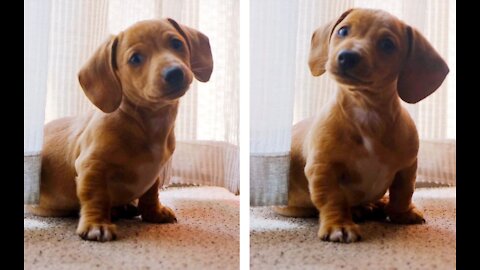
293 211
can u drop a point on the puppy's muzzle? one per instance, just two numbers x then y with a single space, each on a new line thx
348 60
174 77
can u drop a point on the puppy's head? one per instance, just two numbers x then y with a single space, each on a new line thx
370 49
150 64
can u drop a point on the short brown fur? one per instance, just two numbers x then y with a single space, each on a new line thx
364 142
113 156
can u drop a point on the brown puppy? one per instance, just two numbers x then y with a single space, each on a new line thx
363 143
112 157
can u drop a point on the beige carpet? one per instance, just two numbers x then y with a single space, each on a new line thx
205 237
288 243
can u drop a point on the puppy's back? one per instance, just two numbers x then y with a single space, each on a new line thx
57 184
299 203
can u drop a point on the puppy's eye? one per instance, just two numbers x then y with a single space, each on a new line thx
387 45
343 31
176 43
136 59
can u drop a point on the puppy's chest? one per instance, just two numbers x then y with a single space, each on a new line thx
134 179
370 172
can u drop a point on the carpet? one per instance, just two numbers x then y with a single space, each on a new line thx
205 237
278 242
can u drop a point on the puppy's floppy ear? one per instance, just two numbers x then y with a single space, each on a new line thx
423 71
98 80
201 61
319 45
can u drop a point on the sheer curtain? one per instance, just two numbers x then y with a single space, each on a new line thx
207 123
36 22
434 116
273 26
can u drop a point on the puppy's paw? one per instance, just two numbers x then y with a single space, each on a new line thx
160 214
412 216
344 233
97 231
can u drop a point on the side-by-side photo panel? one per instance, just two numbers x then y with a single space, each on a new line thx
131 134
352 154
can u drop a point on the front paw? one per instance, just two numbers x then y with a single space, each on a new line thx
344 233
160 214
412 216
97 231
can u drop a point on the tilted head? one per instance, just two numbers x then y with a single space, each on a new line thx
370 49
150 64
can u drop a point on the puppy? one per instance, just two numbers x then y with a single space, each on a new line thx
363 143
113 156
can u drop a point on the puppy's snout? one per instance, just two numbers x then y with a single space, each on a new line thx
348 59
173 76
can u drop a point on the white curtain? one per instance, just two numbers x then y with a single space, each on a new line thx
273 27
36 26
207 123
434 116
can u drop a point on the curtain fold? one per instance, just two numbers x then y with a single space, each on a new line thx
36 29
273 31
207 122
76 29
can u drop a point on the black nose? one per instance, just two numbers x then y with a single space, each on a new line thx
173 76
348 59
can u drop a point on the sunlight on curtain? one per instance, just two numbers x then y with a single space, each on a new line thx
207 123
76 29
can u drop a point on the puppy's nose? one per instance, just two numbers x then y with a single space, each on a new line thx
173 76
348 59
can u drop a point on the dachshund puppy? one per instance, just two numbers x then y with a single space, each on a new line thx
364 142
112 156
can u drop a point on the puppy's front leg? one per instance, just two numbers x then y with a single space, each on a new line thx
336 222
94 200
151 209
400 208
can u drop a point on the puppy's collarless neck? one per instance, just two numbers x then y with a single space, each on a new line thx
152 122
373 111
378 99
